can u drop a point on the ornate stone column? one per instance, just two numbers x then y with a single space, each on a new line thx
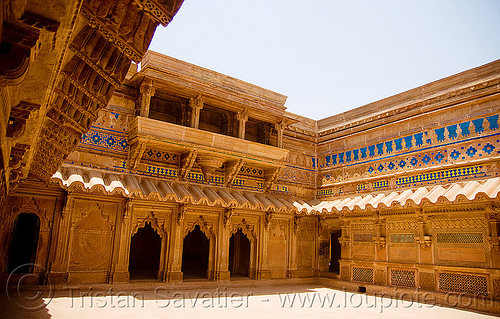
196 105
264 272
121 273
147 91
174 267
280 127
242 118
59 268
294 231
225 233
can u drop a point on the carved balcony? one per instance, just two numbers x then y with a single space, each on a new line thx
209 150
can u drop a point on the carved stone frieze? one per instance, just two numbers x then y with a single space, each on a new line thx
246 228
207 227
459 223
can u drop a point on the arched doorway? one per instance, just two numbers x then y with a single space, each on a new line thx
145 248
239 254
335 250
23 246
195 254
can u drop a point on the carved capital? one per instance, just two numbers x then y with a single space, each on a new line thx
181 213
268 218
228 213
424 241
296 223
379 241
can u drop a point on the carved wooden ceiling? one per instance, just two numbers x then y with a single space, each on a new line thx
88 46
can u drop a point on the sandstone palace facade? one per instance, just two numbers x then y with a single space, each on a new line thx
172 172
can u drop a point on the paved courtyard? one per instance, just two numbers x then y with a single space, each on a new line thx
300 301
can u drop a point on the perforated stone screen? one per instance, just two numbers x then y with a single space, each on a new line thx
403 277
362 274
460 238
471 284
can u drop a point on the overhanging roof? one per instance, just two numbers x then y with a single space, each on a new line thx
146 188
455 193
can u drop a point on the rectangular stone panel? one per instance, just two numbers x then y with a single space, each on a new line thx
461 254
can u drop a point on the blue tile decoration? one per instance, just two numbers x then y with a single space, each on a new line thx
419 139
161 156
388 146
440 134
363 152
395 147
455 154
449 173
280 189
237 182
381 184
324 192
391 165
464 127
355 154
361 187
426 159
488 148
493 121
161 171
370 169
341 158
452 131
371 149
408 141
248 170
104 140
439 157
478 125
328 158
471 151
380 168
348 156
399 143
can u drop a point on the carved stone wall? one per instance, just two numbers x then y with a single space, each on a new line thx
278 247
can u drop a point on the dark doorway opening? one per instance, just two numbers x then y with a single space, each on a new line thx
195 254
144 258
335 250
239 254
23 246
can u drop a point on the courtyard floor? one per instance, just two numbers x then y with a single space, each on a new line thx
298 301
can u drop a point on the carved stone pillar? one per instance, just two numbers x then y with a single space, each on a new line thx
196 105
174 273
294 231
121 273
147 91
280 127
264 272
242 118
59 269
225 234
